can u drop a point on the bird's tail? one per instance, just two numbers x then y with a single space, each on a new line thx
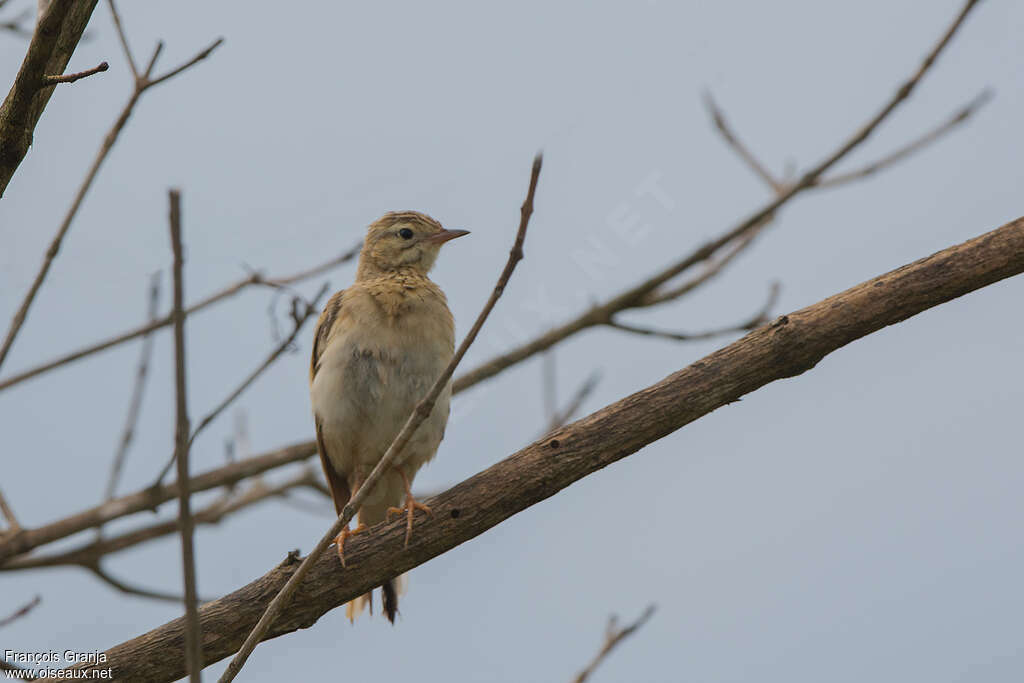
392 588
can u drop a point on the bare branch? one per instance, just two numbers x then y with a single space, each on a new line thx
13 526
193 635
910 148
790 346
419 414
730 138
229 291
612 637
559 417
307 311
138 389
121 36
55 37
21 611
90 553
712 267
130 589
177 70
71 78
758 319
600 314
149 499
141 85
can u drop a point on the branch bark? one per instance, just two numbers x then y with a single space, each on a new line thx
789 346
56 35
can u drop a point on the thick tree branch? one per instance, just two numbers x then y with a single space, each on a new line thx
55 37
789 346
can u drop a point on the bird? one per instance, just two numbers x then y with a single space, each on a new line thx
379 346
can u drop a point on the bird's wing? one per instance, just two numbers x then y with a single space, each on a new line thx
337 481
323 330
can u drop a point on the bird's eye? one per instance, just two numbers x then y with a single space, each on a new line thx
405 234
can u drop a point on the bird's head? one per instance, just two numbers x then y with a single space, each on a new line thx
403 239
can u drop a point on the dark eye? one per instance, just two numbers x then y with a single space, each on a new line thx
405 234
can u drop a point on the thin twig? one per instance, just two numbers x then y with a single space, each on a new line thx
129 589
213 513
761 317
549 384
71 78
733 141
121 36
253 279
600 314
613 636
558 418
21 611
712 267
920 143
141 85
13 526
193 637
307 311
138 389
421 412
150 498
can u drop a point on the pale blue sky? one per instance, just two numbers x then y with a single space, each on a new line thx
861 522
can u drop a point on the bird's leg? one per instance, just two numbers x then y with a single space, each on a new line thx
339 540
410 507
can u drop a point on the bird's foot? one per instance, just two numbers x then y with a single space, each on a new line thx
410 508
339 540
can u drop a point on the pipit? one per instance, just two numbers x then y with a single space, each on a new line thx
378 348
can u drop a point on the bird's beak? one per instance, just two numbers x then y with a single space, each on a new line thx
445 235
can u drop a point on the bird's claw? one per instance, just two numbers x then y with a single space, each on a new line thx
410 508
339 541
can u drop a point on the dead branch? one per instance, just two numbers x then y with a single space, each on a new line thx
71 78
253 279
21 611
756 320
13 526
788 347
129 589
149 499
780 185
560 417
193 634
90 553
56 35
601 314
419 414
613 635
138 389
304 311
142 83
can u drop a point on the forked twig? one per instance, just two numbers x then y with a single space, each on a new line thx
612 637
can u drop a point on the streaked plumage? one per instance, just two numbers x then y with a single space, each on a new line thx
378 347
